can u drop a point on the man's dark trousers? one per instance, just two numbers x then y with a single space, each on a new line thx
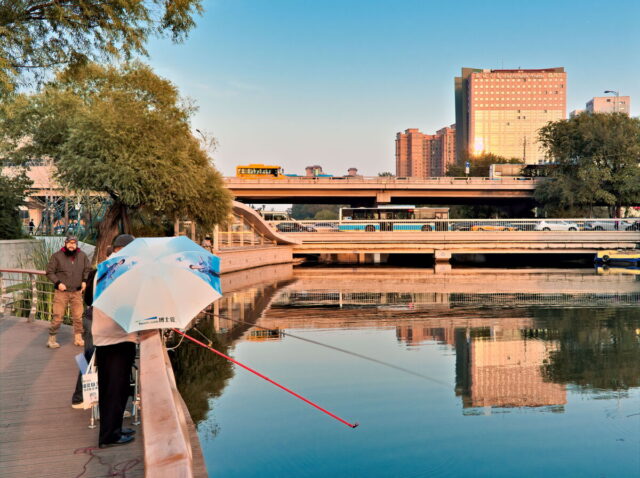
114 370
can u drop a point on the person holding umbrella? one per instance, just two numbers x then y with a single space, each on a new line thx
146 284
115 354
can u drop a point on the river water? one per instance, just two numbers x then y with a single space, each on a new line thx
470 373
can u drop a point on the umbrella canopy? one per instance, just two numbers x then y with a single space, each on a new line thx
157 283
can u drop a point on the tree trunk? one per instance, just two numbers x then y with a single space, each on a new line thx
109 228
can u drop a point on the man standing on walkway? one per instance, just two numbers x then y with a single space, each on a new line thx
68 269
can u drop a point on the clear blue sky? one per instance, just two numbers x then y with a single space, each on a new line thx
297 82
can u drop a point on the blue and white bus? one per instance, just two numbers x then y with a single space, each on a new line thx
393 218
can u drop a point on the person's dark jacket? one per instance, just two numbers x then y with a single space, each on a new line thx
88 292
69 269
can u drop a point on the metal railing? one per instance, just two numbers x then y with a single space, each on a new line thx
317 298
458 225
27 293
383 180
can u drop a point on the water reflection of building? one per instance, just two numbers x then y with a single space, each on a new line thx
496 365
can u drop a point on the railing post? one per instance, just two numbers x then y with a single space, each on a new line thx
2 299
216 238
34 298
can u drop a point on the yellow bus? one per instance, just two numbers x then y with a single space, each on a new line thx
258 171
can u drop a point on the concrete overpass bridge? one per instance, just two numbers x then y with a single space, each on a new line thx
362 191
374 247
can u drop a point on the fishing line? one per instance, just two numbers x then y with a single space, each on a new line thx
338 349
351 425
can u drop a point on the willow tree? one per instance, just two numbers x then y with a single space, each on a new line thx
36 35
596 158
123 132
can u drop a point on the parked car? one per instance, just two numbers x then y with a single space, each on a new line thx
326 227
461 226
556 226
613 225
493 227
294 227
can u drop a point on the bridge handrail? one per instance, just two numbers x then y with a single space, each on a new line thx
631 224
167 447
382 180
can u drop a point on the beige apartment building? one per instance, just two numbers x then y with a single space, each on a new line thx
501 111
424 155
609 104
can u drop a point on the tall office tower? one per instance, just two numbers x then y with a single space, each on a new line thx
443 151
413 153
501 111
610 104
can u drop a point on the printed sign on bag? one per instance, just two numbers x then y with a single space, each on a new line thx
90 385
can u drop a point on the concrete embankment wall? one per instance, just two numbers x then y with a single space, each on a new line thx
241 259
18 253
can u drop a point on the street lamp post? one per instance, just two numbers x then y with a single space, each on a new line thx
617 100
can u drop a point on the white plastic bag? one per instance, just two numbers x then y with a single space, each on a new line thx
90 384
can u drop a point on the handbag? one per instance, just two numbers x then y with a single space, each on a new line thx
90 384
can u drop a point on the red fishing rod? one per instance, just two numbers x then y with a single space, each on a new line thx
351 425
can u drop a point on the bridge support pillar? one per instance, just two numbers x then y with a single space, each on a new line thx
383 197
442 256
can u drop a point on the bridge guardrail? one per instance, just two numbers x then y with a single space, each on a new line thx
383 180
27 293
458 225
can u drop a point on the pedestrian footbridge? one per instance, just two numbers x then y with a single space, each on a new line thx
446 237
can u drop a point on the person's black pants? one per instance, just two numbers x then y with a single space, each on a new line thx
114 370
88 351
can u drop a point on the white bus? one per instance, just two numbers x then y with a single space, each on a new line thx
393 218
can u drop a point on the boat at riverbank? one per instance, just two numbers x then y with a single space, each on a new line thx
618 257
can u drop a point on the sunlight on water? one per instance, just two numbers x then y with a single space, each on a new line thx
540 377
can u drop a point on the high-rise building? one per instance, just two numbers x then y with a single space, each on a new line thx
609 104
424 155
501 111
443 150
413 153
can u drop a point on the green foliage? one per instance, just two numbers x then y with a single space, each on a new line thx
326 215
386 174
596 160
36 35
479 166
311 211
12 192
597 349
124 132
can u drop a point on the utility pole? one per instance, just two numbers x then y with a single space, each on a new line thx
617 100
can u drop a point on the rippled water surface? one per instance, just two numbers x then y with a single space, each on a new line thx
479 374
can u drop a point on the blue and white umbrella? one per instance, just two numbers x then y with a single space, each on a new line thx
157 283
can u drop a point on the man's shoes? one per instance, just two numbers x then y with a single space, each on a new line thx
78 406
51 343
128 431
123 440
78 340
